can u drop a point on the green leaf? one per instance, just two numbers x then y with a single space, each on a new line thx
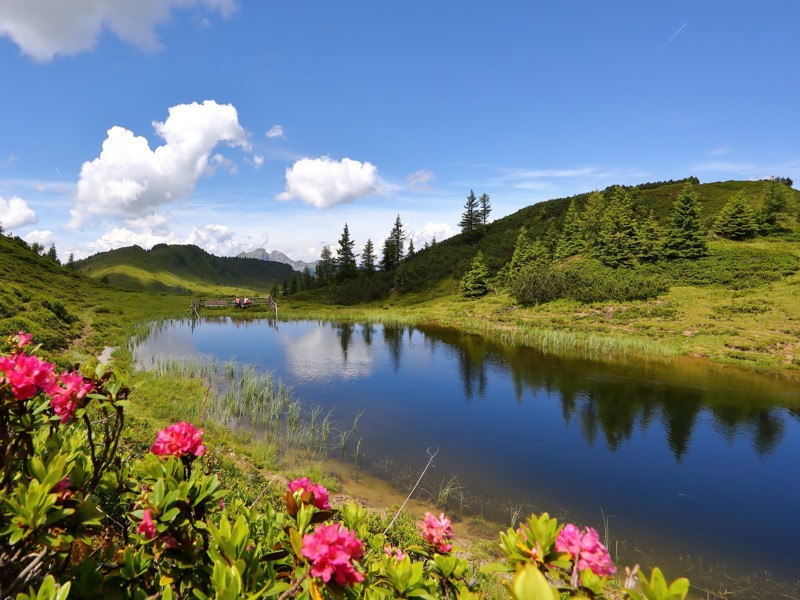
530 584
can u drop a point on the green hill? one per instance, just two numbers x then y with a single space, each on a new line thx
180 269
68 313
451 258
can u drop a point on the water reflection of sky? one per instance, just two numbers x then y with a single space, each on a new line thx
317 355
677 457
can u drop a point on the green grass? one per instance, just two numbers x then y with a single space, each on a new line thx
71 315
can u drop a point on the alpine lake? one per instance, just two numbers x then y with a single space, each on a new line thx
689 466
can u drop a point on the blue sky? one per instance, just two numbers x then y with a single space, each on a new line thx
237 124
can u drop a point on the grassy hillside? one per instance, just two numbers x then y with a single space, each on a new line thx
68 313
181 269
452 257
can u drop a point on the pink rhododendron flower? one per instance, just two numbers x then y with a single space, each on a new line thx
332 550
64 400
147 528
304 484
23 339
181 439
27 375
586 549
395 553
437 531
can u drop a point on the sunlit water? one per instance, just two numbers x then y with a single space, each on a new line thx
690 466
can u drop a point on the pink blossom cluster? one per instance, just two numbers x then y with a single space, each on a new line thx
28 375
64 400
332 550
304 484
437 531
22 339
181 439
147 527
395 553
586 549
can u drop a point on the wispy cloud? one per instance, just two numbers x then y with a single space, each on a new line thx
276 131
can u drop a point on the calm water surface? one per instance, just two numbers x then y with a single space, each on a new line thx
689 464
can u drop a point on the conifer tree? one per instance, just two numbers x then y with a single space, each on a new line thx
685 237
571 239
737 219
649 233
51 253
345 259
471 218
774 205
393 247
368 258
486 208
617 238
475 282
307 278
592 215
326 267
410 248
526 252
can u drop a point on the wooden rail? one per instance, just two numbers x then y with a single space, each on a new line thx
229 303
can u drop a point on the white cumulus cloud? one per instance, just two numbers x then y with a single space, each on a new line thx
324 182
120 237
129 179
15 212
431 231
45 237
45 28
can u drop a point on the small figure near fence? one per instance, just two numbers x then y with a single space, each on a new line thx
237 302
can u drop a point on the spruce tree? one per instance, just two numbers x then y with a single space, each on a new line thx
648 249
571 240
307 278
526 252
471 218
486 208
737 219
346 258
393 247
475 282
592 214
685 237
617 238
326 267
410 248
52 254
368 258
774 205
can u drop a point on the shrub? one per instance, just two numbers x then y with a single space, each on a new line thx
585 281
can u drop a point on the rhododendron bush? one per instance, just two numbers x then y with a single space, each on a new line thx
79 519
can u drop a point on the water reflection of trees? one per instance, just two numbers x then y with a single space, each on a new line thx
609 402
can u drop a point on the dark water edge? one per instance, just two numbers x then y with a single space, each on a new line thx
691 466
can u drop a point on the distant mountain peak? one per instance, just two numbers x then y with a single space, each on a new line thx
280 257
